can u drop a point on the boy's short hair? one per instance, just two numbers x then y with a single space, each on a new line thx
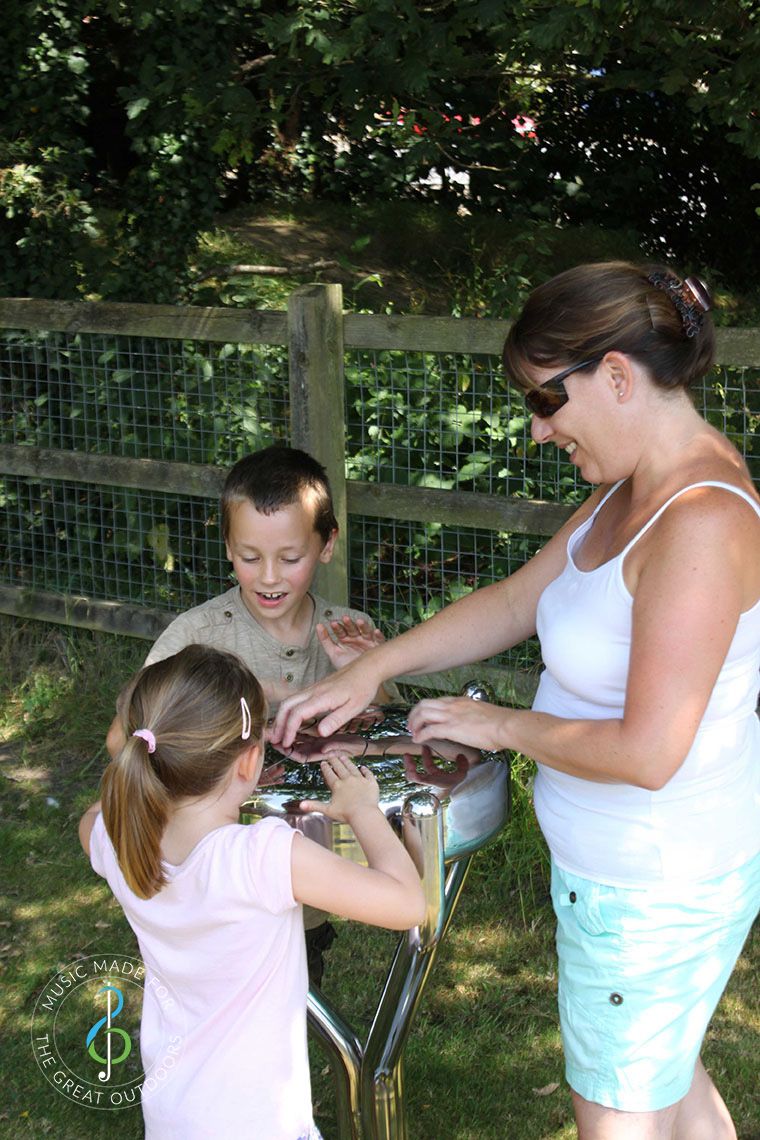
276 477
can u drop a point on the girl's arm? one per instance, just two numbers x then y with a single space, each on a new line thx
474 628
700 573
387 892
86 824
115 740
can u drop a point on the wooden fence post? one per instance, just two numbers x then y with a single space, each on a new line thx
317 411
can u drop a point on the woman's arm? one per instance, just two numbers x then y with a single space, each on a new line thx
692 586
476 627
387 892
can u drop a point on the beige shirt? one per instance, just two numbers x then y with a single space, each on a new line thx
225 623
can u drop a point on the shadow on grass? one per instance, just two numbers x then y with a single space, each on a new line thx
54 911
56 702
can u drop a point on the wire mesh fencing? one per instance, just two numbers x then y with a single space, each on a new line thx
419 419
141 398
437 420
111 544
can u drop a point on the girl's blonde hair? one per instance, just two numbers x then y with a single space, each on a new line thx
190 704
593 309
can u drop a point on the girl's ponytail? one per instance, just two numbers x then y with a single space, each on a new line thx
135 810
184 725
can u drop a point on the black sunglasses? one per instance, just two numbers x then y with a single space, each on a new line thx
552 395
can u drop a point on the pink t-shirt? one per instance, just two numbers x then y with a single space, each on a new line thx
225 936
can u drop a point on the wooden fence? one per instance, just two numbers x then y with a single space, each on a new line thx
316 333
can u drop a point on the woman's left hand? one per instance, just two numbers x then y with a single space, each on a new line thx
460 719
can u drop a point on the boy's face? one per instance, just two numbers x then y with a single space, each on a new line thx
275 558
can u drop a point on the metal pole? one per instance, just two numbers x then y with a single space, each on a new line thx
382 1101
369 1082
382 1076
345 1056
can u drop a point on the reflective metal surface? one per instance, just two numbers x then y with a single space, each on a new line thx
446 801
471 787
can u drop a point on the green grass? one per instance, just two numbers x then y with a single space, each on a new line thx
484 1057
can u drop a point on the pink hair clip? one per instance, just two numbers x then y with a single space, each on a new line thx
146 735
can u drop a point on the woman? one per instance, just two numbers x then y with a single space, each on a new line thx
647 606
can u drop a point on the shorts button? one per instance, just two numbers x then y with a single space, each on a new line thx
289 677
289 652
228 614
616 999
572 896
328 613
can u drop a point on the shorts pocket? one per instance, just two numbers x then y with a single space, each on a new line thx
594 907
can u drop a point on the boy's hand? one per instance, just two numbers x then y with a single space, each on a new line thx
352 789
346 639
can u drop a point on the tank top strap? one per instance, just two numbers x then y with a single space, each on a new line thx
682 491
615 487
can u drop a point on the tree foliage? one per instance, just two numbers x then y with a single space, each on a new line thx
125 126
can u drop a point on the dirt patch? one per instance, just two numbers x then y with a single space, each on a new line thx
369 280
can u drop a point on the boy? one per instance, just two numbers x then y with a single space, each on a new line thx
278 525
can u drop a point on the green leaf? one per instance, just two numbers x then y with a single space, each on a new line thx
136 107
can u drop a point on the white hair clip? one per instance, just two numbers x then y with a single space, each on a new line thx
245 734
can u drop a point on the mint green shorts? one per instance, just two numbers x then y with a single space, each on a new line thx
640 974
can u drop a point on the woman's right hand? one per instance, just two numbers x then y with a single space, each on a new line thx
341 696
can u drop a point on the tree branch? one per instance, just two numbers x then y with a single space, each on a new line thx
292 270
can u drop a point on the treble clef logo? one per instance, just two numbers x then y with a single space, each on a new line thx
110 1030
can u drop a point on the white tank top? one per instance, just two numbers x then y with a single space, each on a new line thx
706 820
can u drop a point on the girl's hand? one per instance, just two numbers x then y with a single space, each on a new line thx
462 720
346 639
353 789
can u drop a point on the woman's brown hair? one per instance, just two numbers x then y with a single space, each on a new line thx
644 311
190 705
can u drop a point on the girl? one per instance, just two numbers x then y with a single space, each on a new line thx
216 906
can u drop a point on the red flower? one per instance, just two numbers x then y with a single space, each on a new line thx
525 126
